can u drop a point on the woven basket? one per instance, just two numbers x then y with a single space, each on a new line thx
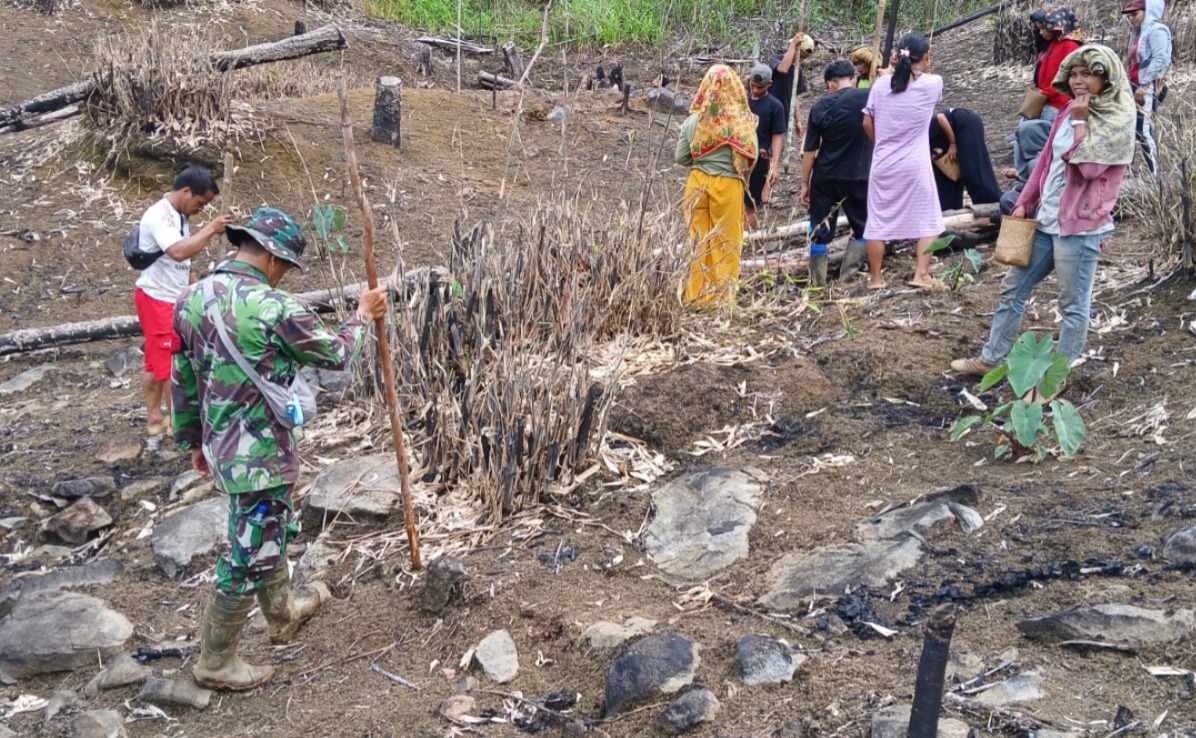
1015 243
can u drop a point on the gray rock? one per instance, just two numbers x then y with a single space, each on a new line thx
497 656
24 380
182 692
142 488
5 732
189 533
98 724
115 452
893 722
103 571
935 516
1024 687
444 583
317 559
764 660
78 521
50 553
828 571
685 712
465 683
59 631
14 522
89 487
1180 547
702 522
659 664
327 380
364 487
558 114
124 359
7 680
1112 623
120 671
59 701
457 706
188 481
612 635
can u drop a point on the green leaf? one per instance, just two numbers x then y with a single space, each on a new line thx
1028 362
321 220
342 242
458 289
963 425
1001 451
338 218
973 257
940 243
994 377
1055 375
1069 426
1027 422
998 412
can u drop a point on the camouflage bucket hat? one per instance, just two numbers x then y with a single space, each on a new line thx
275 232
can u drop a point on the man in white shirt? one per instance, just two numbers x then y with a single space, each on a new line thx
164 231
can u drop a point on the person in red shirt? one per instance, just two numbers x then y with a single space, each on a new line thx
1061 30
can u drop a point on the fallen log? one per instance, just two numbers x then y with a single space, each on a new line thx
126 326
325 38
453 44
802 227
495 82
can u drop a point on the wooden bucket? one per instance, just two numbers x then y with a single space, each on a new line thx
1015 242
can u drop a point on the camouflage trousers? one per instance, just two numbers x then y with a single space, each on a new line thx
260 525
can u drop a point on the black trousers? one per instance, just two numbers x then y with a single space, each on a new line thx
827 196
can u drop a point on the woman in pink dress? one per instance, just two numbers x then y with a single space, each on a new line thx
902 200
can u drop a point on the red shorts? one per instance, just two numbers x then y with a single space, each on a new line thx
157 323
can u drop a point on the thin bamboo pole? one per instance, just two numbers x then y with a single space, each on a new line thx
388 372
877 62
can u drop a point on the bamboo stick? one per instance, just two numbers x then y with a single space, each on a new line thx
388 373
877 62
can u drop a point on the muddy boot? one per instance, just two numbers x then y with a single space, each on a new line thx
856 255
818 264
219 666
285 610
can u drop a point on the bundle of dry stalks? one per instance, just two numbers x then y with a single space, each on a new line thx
496 358
162 90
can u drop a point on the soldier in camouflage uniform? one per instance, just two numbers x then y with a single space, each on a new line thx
221 416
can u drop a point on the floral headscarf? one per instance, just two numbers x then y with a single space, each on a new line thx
1111 114
724 118
1061 19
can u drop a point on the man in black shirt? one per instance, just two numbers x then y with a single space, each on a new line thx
771 127
785 67
836 159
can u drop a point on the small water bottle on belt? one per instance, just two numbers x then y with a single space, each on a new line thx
259 512
295 411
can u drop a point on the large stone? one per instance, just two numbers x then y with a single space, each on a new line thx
142 488
327 380
612 635
444 583
893 722
1112 623
24 380
89 487
498 657
117 451
695 706
318 558
103 571
59 631
189 533
59 701
830 570
190 485
98 724
78 521
182 692
702 522
120 671
1180 547
937 515
124 359
365 487
1021 688
764 660
663 663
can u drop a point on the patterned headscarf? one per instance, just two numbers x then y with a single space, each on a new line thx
1061 19
1111 114
724 118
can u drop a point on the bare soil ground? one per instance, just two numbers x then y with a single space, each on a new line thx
864 378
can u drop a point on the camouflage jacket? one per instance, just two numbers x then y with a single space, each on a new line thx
215 402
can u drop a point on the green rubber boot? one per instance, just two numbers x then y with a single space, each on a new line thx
855 256
219 666
286 609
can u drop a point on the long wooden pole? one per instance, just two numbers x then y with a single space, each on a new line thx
877 62
892 29
388 372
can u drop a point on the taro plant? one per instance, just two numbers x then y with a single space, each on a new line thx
328 222
954 275
1036 373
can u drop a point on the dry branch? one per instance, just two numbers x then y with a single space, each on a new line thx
495 82
453 44
326 38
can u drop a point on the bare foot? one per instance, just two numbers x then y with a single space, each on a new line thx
1009 173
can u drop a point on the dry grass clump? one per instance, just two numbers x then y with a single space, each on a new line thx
495 357
162 90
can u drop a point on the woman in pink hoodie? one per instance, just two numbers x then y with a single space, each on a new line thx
1071 192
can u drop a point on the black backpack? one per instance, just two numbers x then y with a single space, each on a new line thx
138 259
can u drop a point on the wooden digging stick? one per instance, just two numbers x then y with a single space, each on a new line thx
226 189
877 62
892 29
928 690
388 372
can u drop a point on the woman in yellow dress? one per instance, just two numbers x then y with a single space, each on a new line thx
718 144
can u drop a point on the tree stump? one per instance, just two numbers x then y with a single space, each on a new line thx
388 110
510 54
425 61
300 28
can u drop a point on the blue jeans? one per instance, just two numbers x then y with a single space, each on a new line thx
1073 259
